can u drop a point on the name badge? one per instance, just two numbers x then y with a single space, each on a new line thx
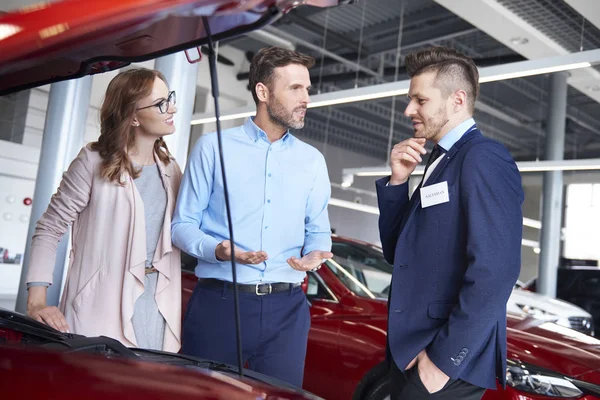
434 194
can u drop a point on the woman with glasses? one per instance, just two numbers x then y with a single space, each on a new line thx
118 195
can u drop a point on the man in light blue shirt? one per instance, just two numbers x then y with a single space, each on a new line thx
278 191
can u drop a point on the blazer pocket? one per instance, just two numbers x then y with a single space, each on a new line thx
440 310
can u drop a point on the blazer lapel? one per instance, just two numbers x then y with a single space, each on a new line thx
415 200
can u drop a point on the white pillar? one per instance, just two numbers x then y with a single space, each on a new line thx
64 133
552 205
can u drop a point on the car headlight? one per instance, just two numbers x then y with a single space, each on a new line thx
531 379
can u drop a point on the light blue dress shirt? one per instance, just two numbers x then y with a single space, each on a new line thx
278 194
455 134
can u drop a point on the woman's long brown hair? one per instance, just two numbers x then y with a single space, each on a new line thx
116 123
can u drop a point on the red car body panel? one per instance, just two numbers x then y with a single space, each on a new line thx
53 41
34 373
347 341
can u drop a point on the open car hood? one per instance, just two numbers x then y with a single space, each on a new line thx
41 342
50 42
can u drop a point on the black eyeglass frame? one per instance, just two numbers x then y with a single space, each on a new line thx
171 100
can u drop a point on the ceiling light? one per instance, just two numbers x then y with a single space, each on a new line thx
208 120
322 100
347 180
532 223
589 164
353 206
375 210
593 88
487 74
519 40
530 243
530 72
271 39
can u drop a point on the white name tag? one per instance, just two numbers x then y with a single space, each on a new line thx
434 194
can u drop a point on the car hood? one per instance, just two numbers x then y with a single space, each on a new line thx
553 346
53 41
560 308
66 375
34 337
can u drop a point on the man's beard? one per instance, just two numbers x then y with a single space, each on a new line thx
433 126
282 117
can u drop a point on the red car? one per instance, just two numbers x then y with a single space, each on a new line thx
38 362
347 339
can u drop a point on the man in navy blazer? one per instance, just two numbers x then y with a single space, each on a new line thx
455 243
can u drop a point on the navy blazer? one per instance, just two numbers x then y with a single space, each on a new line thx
455 263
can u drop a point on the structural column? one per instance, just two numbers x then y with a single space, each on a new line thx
181 76
64 133
552 201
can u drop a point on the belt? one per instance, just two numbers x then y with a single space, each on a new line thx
150 270
259 289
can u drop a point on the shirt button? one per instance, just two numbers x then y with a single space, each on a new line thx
268 201
270 149
266 227
269 175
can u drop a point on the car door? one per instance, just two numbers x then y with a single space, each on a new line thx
322 357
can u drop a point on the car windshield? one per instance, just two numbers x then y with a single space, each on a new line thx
361 268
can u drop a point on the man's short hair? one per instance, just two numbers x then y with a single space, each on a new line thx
262 68
453 71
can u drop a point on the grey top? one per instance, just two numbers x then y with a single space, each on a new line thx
154 196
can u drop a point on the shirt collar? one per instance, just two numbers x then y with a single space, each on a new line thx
455 134
255 133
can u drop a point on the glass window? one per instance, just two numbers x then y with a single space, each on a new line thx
582 222
315 290
362 268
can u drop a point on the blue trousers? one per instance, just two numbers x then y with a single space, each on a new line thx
274 330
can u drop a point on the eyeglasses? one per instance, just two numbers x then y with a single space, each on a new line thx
164 105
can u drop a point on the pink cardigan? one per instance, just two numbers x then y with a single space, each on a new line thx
107 260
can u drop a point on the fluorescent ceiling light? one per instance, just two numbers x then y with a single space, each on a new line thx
321 100
227 117
560 165
524 166
487 74
532 223
531 72
353 206
530 243
273 40
375 210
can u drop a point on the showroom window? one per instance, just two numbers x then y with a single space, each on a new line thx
582 222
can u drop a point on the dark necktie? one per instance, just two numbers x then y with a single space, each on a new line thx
435 153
